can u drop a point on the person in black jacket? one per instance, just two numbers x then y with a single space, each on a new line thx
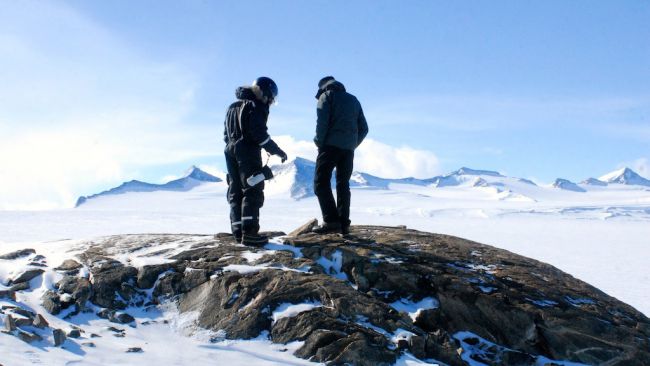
245 134
340 128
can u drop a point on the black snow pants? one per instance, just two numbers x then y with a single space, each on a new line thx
243 160
330 157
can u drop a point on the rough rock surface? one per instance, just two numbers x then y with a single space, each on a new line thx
18 254
371 295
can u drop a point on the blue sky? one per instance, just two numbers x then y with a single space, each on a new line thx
97 92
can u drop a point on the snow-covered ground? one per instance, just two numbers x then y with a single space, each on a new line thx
601 236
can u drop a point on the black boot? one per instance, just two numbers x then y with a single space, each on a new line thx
328 228
345 229
254 240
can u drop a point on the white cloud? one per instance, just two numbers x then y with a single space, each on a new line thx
81 108
374 157
388 161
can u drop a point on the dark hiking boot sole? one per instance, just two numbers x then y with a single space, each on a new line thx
327 229
254 241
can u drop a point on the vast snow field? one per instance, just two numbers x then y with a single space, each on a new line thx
601 236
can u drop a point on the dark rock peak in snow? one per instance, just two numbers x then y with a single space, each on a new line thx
567 185
194 177
374 294
625 176
200 175
594 182
527 181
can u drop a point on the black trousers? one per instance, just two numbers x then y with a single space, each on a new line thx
330 157
242 161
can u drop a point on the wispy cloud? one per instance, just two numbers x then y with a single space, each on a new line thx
374 157
81 107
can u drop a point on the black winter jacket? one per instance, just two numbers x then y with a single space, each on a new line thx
246 121
340 122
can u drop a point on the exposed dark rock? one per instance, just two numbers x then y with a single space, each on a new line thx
28 275
115 317
28 337
51 302
135 350
89 344
59 337
40 322
148 275
74 333
24 322
107 282
78 288
68 265
20 286
8 294
18 254
10 323
38 261
305 228
487 303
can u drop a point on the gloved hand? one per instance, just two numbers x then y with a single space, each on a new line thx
282 155
272 148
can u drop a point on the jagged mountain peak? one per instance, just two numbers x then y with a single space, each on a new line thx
197 173
567 185
625 176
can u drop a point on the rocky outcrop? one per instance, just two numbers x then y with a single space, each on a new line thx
367 297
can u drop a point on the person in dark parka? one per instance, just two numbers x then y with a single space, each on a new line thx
340 129
245 134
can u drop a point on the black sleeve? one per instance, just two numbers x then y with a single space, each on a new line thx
362 127
323 119
255 120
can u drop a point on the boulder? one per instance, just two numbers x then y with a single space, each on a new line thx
148 274
78 288
40 322
8 294
28 337
51 302
10 323
74 333
27 275
107 282
18 254
69 265
20 286
59 337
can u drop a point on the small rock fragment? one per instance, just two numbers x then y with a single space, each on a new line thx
305 228
59 337
135 350
40 322
28 337
10 323
8 294
74 333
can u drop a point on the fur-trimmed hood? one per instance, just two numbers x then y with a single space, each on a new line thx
253 93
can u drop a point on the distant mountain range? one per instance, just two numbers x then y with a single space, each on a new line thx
191 179
296 178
